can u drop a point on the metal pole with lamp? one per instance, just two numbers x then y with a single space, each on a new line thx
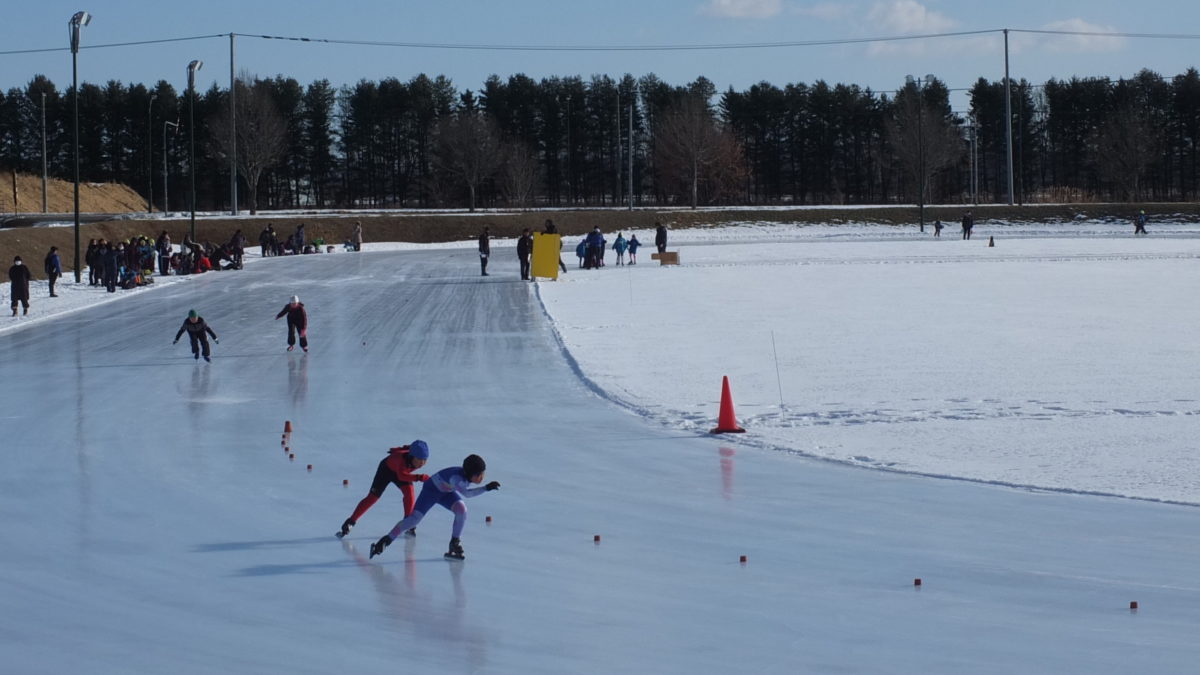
191 72
77 21
44 172
166 203
150 154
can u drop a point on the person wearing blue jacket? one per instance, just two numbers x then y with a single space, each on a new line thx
595 249
619 246
633 247
581 251
53 269
446 487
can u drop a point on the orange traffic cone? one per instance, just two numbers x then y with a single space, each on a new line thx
727 422
287 426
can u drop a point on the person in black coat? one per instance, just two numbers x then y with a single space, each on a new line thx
297 322
524 250
112 266
53 269
19 277
198 332
660 237
485 250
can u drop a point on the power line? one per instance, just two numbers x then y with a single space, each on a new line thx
114 44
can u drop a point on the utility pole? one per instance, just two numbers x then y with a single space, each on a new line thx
1008 119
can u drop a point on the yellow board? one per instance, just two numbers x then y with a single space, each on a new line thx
546 249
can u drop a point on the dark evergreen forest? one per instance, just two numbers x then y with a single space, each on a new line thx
574 142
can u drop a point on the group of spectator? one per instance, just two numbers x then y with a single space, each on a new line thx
591 250
272 244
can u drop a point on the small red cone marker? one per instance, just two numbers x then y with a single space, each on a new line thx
345 482
596 539
310 467
488 519
916 582
287 426
742 560
1133 605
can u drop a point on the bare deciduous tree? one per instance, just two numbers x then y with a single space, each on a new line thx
690 147
520 174
1125 145
468 147
261 134
924 142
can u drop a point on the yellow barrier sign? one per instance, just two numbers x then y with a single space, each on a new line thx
546 251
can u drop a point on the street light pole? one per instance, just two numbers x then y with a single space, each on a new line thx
191 72
150 154
78 20
44 209
920 84
166 203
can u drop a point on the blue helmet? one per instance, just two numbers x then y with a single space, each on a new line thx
418 450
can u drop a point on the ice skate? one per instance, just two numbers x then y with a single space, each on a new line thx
378 546
291 347
456 550
346 527
410 532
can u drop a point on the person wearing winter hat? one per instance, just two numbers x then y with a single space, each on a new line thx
446 487
397 468
297 322
19 277
198 332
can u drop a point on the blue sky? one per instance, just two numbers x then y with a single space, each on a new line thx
882 66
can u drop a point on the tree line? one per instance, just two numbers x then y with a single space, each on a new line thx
569 141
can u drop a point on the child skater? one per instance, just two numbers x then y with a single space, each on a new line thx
198 332
397 468
633 247
297 322
446 487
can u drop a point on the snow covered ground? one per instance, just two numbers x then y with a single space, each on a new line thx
155 524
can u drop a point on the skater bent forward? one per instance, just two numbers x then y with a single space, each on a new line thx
198 332
446 487
397 468
297 323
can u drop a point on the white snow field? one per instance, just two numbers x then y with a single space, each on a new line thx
153 522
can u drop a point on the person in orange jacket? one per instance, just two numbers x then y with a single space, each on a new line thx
397 468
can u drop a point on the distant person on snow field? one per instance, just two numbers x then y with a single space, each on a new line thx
485 250
620 245
297 322
18 276
198 332
1139 223
446 487
660 237
397 468
524 250
633 247
53 269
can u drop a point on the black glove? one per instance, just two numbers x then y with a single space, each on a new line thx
175 341
494 485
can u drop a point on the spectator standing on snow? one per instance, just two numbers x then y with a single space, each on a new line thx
619 246
395 469
660 237
266 243
298 247
524 250
595 248
112 266
446 487
94 262
18 277
53 269
1139 223
968 222
237 246
581 252
356 237
485 249
634 244
198 332
551 229
937 228
163 246
297 322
